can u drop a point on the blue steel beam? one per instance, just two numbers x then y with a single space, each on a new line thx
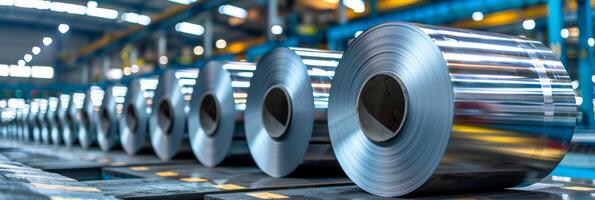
585 60
434 13
555 23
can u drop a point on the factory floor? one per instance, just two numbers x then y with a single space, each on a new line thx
34 171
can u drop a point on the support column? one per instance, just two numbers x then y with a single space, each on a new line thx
208 35
341 12
272 17
161 47
585 60
555 23
373 8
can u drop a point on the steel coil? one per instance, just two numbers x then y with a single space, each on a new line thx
216 117
286 109
72 118
171 104
134 123
109 116
51 121
59 119
32 125
417 108
41 125
87 134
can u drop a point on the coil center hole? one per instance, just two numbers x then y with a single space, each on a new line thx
105 120
209 114
382 107
165 116
276 112
131 118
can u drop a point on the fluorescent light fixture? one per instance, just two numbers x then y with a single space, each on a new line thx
136 18
4 70
220 43
92 4
477 16
27 57
185 2
134 68
6 2
21 62
358 6
102 13
233 11
20 71
63 28
68 8
47 41
190 28
276 29
37 4
529 24
114 74
46 72
35 50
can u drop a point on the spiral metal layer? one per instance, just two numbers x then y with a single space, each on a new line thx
216 118
417 108
134 123
72 118
51 120
89 118
286 109
109 117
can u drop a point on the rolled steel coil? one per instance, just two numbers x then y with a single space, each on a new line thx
417 108
41 125
216 117
51 120
32 125
286 109
109 117
167 123
87 133
23 120
72 118
60 117
134 123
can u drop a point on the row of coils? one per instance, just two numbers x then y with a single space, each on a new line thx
406 109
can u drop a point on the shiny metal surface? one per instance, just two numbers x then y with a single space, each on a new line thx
167 123
109 117
51 121
477 110
87 134
41 128
72 118
59 119
134 123
32 124
286 110
216 117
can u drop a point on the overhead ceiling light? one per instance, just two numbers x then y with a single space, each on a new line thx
6 2
46 72
477 16
134 68
564 33
28 57
591 42
190 28
102 13
21 62
37 4
114 74
68 8
35 50
4 70
163 60
127 71
233 11
276 29
92 4
47 41
185 2
198 50
220 43
136 18
529 24
20 71
358 6
63 28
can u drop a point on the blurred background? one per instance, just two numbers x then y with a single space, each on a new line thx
65 45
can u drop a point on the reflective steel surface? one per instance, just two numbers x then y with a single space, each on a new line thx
51 121
109 117
286 109
72 118
216 117
167 123
60 119
482 110
87 134
134 123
